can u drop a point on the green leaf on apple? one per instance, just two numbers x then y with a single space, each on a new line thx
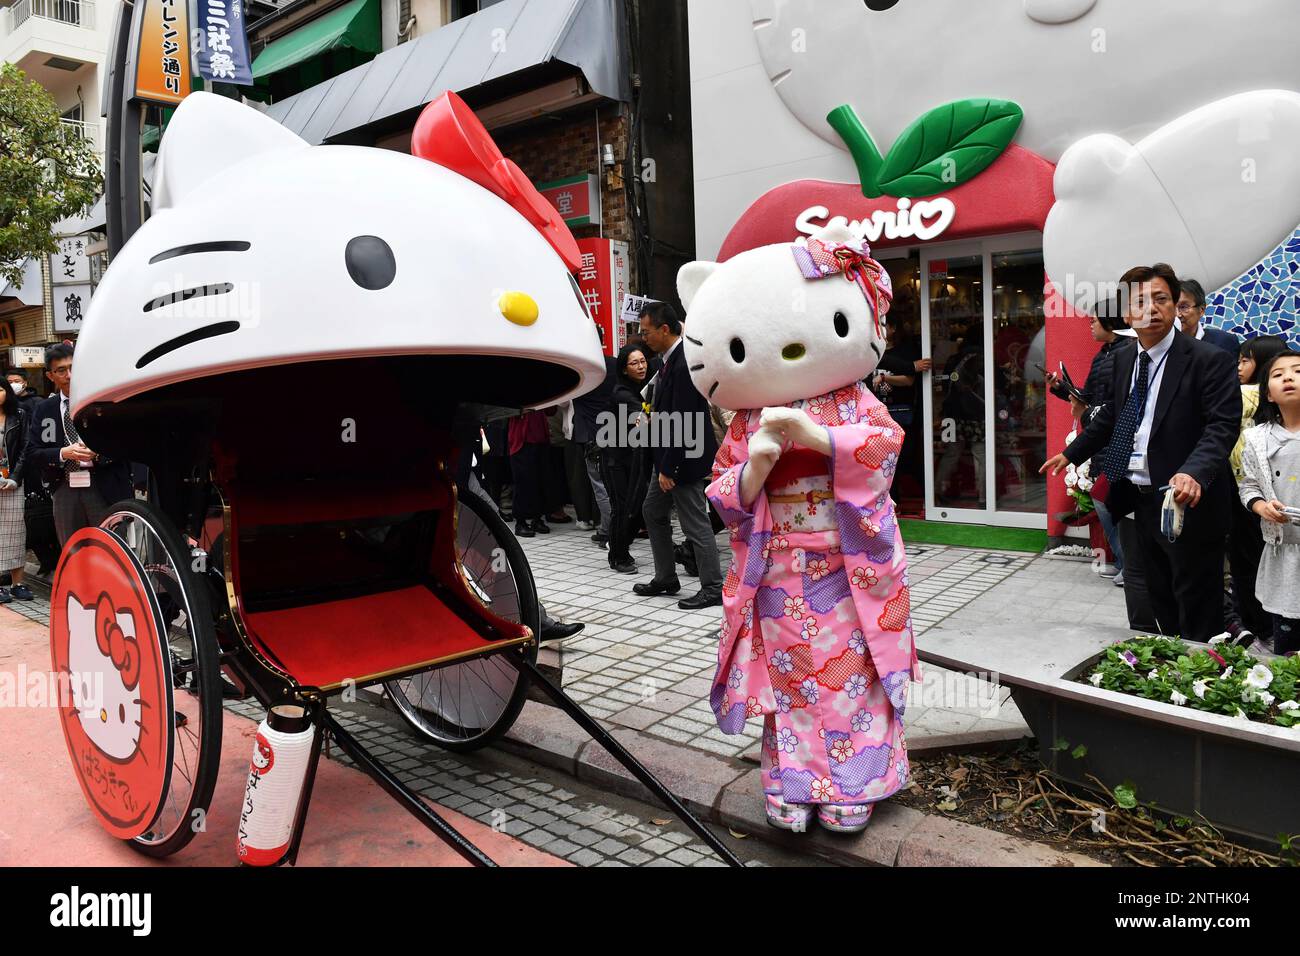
949 145
945 147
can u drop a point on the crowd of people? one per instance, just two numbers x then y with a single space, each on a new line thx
1194 439
1193 436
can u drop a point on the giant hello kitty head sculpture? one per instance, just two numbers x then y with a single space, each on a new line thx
784 322
263 250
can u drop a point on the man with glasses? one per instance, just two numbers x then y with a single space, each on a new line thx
1173 418
84 484
1191 310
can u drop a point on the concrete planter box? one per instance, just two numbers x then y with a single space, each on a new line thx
1242 777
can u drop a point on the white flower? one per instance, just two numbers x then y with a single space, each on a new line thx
1227 672
1071 479
1259 677
1219 638
1177 698
1266 698
1152 675
1289 705
1198 688
1096 679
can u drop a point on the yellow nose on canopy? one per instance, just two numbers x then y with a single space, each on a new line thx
518 307
103 716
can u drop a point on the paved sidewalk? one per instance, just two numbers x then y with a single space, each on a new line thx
644 664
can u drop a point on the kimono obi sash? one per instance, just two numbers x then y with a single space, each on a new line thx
799 492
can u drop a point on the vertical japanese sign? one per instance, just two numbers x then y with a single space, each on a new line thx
223 43
70 278
603 280
162 70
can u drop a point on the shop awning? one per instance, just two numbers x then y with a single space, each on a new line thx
502 39
354 25
28 291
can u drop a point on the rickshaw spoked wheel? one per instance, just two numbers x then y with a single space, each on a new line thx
196 687
466 706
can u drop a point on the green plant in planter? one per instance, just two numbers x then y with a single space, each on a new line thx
1224 679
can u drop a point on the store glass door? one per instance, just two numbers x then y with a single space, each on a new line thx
903 393
984 415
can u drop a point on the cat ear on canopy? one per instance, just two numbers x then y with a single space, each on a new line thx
449 134
207 135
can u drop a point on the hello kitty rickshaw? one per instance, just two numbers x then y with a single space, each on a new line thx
286 343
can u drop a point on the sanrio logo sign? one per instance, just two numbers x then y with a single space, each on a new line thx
104 636
923 219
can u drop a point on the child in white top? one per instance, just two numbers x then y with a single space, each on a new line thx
1270 487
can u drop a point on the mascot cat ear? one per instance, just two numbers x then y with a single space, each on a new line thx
689 279
207 135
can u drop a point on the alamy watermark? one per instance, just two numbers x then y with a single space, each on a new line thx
685 430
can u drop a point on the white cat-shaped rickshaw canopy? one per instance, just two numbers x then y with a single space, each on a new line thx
263 250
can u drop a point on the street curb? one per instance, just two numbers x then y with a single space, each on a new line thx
724 790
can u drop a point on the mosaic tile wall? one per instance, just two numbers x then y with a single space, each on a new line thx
1266 300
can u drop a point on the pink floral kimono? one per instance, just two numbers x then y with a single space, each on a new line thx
817 635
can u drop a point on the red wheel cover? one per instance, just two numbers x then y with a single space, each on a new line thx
118 717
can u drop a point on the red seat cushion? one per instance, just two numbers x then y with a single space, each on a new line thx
365 638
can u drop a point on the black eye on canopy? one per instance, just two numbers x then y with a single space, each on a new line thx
880 5
370 262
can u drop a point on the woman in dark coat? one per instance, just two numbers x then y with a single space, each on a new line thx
624 467
13 531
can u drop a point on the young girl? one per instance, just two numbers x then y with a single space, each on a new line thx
1247 619
1270 488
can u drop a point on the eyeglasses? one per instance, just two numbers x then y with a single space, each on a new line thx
66 370
1185 307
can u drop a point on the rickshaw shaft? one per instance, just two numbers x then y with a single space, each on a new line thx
623 756
402 794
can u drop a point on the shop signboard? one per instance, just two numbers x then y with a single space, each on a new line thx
26 356
603 280
162 52
577 198
70 265
70 305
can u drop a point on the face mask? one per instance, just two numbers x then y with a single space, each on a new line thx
17 387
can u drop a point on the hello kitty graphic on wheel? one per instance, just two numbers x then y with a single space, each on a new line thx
104 636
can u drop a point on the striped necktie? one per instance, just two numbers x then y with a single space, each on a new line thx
1121 439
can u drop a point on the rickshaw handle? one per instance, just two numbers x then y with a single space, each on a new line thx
621 754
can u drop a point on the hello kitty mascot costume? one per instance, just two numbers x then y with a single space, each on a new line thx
817 636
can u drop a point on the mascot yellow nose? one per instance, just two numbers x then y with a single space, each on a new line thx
103 716
518 307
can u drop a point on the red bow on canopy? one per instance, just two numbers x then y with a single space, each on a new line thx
123 651
449 134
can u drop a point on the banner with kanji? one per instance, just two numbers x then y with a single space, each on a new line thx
162 65
223 43
603 280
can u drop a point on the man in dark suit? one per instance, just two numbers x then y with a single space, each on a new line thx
683 449
85 485
1173 420
1191 310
